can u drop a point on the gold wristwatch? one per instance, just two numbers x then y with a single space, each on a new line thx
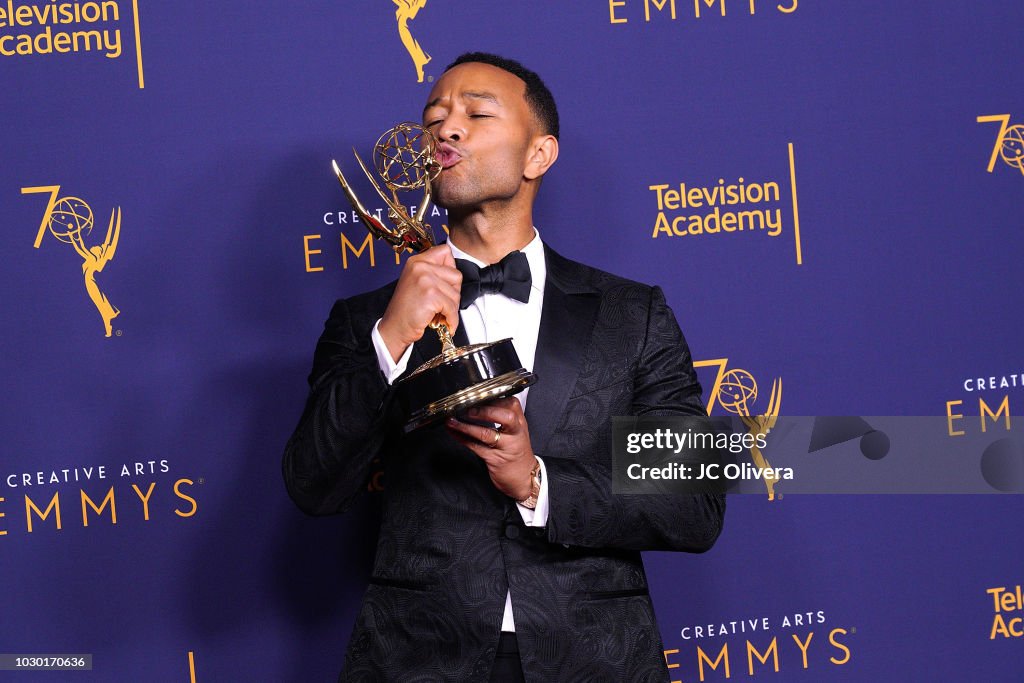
530 502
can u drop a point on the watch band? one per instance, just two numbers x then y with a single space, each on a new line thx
530 502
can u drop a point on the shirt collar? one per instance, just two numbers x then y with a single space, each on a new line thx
534 255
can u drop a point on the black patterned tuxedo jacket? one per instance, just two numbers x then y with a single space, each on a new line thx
450 544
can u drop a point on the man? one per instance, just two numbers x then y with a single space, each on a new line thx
502 554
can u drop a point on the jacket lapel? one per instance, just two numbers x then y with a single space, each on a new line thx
566 326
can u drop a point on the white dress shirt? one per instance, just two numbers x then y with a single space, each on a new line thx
493 317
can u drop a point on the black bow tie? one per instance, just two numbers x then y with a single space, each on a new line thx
509 276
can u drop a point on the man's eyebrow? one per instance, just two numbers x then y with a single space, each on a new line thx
474 95
431 103
481 96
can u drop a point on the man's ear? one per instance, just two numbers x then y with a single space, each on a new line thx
543 153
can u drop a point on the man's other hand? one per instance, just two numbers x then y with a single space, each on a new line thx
505 449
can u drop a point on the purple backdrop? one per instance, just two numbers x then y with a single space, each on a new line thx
878 273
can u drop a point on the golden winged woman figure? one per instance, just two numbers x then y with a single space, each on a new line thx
406 12
94 260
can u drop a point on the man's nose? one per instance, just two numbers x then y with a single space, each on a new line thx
451 130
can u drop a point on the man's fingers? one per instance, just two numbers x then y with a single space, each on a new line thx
426 289
447 258
424 271
435 254
484 435
440 254
438 283
504 411
449 274
447 302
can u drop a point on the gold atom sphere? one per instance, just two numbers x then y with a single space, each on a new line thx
405 157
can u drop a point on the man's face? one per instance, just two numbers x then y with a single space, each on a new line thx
479 114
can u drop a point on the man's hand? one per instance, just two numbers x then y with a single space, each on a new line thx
506 449
430 284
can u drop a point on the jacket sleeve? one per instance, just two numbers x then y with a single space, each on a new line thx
583 509
328 458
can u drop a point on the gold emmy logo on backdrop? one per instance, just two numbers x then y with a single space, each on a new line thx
405 160
735 390
70 220
406 12
1009 142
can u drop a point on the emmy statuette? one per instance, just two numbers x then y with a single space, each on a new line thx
460 377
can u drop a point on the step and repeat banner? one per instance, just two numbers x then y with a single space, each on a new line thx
830 195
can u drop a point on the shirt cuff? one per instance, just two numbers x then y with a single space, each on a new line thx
388 366
539 515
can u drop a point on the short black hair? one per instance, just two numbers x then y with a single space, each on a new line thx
540 99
